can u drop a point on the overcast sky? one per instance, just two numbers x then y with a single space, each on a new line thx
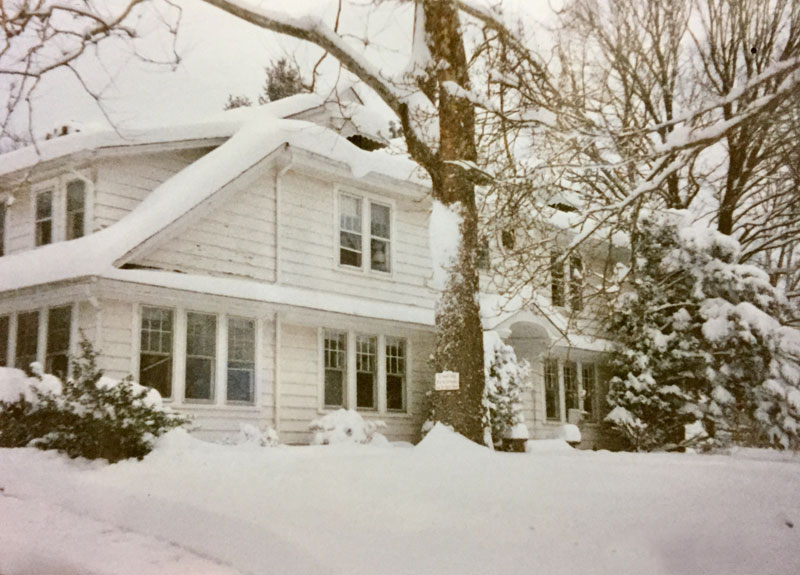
220 55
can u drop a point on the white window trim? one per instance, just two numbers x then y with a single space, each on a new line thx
563 415
366 200
58 186
41 336
215 387
350 373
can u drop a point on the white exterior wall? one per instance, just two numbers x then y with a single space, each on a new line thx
238 239
309 244
122 182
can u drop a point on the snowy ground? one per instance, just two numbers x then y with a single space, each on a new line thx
446 506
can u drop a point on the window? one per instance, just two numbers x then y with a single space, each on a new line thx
155 356
59 324
395 374
366 372
576 282
201 348
380 236
556 279
571 395
353 228
508 238
76 208
2 227
335 368
589 385
44 218
241 360
350 231
27 340
551 392
4 336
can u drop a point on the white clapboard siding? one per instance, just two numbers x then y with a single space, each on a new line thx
300 383
309 240
236 239
123 182
116 341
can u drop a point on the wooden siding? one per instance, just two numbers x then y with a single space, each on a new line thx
301 382
123 182
309 245
237 239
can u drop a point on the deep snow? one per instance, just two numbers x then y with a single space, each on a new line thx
445 506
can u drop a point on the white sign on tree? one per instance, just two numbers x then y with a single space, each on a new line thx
446 381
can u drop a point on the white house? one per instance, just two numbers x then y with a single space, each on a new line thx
257 268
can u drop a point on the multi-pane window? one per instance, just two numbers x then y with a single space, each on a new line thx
4 326
589 384
59 324
551 397
335 368
27 340
556 279
155 355
366 372
395 374
201 353
380 237
241 359
350 245
2 227
44 218
76 208
571 395
576 282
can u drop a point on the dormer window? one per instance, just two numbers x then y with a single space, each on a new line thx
353 228
44 218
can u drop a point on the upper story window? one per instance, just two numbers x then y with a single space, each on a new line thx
44 218
76 209
508 238
353 227
566 277
483 260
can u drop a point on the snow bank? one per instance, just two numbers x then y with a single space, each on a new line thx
443 440
548 446
569 433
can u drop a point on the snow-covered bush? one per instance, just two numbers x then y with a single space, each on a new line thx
252 435
701 338
345 426
88 415
506 379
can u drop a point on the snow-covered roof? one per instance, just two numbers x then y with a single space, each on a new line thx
501 311
253 136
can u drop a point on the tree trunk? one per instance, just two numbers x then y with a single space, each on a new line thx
459 339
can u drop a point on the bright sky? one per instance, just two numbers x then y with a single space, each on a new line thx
220 55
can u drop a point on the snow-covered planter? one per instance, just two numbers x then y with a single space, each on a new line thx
88 415
346 426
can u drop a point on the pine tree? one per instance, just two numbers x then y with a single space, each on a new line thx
283 80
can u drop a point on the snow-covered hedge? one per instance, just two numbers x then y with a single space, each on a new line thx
88 415
346 426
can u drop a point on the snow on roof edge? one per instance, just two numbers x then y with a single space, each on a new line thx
276 294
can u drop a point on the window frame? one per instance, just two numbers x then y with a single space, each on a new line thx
366 200
59 215
51 219
570 285
214 359
173 347
254 379
3 226
403 344
83 211
580 365
344 370
350 375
